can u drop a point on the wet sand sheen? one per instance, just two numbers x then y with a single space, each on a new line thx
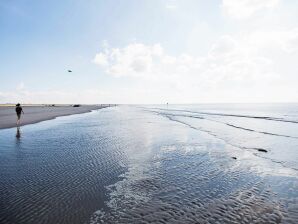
126 165
57 174
34 114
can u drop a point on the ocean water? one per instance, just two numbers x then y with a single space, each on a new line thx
221 163
272 128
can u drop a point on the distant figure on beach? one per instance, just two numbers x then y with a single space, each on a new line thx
19 111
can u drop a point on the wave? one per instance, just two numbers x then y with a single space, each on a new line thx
261 132
258 149
232 115
228 124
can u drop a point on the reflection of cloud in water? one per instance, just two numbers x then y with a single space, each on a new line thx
190 177
204 187
258 164
249 129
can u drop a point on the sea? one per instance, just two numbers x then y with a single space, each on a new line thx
198 163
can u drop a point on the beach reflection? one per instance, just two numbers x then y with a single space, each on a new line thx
18 134
130 166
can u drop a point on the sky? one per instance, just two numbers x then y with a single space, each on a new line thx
148 51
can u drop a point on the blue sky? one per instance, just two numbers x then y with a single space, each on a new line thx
148 51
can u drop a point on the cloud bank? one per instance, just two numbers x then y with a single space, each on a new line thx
236 64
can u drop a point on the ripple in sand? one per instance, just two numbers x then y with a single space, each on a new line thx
201 188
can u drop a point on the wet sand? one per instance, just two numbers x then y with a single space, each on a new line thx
35 114
130 165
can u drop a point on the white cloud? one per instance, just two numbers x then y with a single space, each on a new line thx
224 61
225 46
134 60
235 67
100 59
240 9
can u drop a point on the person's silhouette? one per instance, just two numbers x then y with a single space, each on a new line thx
19 111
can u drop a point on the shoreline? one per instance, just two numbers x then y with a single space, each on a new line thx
35 114
128 165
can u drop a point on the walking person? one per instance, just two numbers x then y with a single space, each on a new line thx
19 111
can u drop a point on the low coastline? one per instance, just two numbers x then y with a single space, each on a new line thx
37 113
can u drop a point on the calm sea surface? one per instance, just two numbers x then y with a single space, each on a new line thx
225 163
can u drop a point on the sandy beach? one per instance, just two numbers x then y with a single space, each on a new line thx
34 114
